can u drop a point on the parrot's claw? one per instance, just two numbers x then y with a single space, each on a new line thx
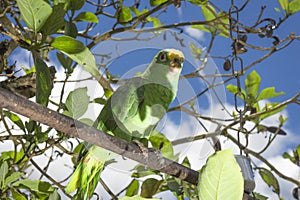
144 150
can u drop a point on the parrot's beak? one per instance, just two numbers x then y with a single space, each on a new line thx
175 63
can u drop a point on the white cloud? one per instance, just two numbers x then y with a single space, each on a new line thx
195 33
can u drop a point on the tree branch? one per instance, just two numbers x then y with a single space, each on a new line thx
74 128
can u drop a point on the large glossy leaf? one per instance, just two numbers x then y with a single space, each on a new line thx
34 13
77 52
15 119
77 102
221 178
68 45
268 93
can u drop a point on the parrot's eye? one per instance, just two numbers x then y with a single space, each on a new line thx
163 57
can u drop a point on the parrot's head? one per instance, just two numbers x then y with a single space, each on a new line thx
165 68
172 58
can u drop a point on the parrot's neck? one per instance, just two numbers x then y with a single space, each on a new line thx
162 75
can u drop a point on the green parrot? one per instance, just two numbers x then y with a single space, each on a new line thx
131 113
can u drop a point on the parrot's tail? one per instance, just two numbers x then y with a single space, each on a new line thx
86 176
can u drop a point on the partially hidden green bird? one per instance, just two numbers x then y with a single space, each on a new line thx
131 113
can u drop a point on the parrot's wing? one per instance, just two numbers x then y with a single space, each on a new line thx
124 104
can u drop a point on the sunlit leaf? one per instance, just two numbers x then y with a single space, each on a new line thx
136 197
13 177
124 15
15 119
77 52
157 2
35 186
34 13
221 178
3 173
161 142
87 16
18 196
252 83
77 102
269 179
268 93
68 45
132 188
284 4
294 6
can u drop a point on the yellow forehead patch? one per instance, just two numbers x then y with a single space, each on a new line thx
174 53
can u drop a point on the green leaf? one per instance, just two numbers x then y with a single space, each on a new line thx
84 58
87 16
157 2
3 173
234 89
252 83
294 6
124 15
77 52
11 155
198 2
284 4
268 107
150 187
17 196
136 197
259 196
66 62
13 177
71 29
208 12
77 102
100 101
68 45
35 186
269 179
54 195
34 13
43 82
221 178
55 21
76 4
161 142
15 119
132 188
268 93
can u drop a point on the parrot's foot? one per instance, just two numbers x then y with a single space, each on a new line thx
144 150
152 154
